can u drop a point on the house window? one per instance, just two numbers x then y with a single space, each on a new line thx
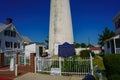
10 33
117 24
11 43
13 34
7 32
7 44
18 45
15 45
117 41
108 44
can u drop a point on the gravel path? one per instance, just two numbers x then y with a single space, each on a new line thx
36 76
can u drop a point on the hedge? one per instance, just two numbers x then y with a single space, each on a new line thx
102 54
112 65
85 53
114 77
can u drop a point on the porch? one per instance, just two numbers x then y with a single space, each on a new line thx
112 45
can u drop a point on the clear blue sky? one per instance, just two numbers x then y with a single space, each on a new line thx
89 17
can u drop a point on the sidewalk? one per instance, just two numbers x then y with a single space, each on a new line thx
37 76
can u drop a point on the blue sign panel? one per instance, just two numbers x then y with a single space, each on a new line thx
66 50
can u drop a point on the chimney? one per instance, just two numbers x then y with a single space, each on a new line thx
8 20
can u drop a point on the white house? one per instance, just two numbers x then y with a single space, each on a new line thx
77 50
34 48
10 39
96 49
112 45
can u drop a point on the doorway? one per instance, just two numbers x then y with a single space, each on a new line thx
40 51
112 47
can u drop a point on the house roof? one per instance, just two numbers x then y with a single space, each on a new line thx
116 17
37 43
26 39
116 35
95 48
3 27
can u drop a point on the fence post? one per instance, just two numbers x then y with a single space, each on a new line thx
1 59
16 70
24 60
35 64
32 61
17 57
91 64
60 65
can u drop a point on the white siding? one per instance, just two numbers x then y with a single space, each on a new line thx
77 50
30 49
96 51
33 48
4 38
107 50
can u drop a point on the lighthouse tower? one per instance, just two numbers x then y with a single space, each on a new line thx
60 28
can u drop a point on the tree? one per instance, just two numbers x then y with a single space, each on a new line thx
83 45
77 45
90 45
107 33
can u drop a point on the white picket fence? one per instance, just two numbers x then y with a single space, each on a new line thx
68 66
20 59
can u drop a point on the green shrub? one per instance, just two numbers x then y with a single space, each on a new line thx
85 53
102 54
114 77
74 65
70 64
112 64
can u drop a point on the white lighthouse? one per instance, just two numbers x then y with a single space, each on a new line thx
60 28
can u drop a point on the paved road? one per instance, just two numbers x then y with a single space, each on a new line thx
37 76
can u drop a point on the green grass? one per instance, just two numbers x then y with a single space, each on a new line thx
99 62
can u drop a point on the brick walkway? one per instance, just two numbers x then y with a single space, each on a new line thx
38 76
5 73
23 74
22 69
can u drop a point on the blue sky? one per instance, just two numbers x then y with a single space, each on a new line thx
89 17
